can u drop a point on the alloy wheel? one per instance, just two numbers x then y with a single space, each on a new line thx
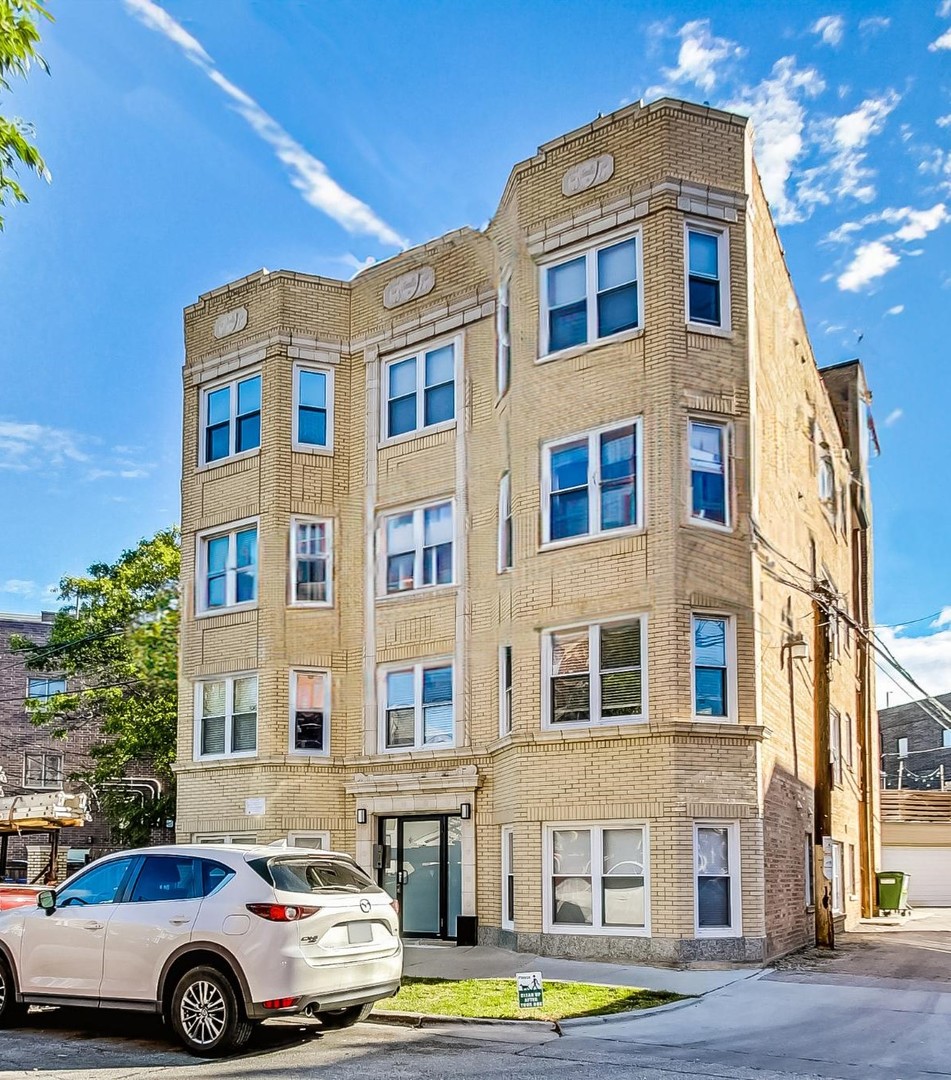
204 1012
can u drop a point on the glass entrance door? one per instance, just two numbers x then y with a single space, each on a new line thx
420 865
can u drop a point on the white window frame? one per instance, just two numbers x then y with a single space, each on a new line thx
722 233
201 568
224 838
596 828
417 667
44 784
838 877
508 871
47 693
903 748
313 448
292 709
726 427
323 835
419 535
503 327
734 858
595 531
419 353
229 681
732 712
594 673
591 293
809 882
293 557
945 738
835 745
505 693
210 388
506 535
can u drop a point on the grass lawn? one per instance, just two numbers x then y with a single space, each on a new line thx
496 999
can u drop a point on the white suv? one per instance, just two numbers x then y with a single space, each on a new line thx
215 938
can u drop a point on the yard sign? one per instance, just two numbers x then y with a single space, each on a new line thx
529 985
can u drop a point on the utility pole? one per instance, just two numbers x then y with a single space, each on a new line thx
825 929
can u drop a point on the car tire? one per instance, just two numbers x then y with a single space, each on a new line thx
206 1015
344 1018
12 1011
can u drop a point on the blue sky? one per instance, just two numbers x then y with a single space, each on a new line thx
194 142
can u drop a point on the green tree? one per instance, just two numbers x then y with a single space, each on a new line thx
19 37
116 641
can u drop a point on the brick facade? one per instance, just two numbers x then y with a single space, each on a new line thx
669 771
924 761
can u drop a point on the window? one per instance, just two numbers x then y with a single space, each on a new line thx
418 707
708 301
319 841
590 484
712 666
101 884
903 748
717 871
313 408
709 501
591 296
226 717
311 562
508 877
598 878
847 740
42 769
827 482
809 868
227 569
852 869
504 331
946 736
310 712
838 884
505 523
42 688
420 391
835 745
166 877
505 689
231 419
418 548
224 838
595 673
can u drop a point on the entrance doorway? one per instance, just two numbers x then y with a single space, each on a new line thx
420 865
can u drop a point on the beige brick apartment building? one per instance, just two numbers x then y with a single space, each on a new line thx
498 565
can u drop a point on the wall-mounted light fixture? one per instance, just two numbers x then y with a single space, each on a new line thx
797 646
361 816
465 811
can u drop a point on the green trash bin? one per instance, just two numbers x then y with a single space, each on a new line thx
892 890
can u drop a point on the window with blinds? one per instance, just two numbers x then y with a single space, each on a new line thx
595 673
227 717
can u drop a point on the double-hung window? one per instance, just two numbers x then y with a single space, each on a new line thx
505 689
418 707
707 280
835 745
42 769
227 568
508 877
595 674
418 548
504 332
311 561
231 419
597 878
712 637
419 391
226 717
310 712
716 862
591 296
505 523
590 483
709 486
41 688
313 408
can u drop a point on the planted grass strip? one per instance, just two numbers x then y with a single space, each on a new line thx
496 999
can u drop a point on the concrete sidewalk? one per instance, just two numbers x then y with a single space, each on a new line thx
485 962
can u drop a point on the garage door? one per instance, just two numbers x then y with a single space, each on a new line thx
930 869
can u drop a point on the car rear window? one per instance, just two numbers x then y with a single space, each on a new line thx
306 874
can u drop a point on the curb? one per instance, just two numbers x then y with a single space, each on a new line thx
631 1014
420 1020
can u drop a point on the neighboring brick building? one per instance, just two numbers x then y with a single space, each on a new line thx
471 584
916 748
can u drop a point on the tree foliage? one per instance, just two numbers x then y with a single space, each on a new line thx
19 38
116 642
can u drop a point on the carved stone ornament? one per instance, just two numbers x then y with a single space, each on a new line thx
231 322
588 174
409 286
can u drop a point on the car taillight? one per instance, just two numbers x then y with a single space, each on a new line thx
281 1003
282 912
395 905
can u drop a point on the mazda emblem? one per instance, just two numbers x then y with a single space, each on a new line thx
364 906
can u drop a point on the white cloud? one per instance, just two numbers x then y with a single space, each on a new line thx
871 260
26 447
855 128
874 24
941 43
830 28
927 657
896 310
944 616
874 258
918 223
893 417
944 121
944 9
308 174
18 587
701 52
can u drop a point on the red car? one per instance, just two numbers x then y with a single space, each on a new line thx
12 896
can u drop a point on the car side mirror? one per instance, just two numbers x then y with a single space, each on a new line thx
46 899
